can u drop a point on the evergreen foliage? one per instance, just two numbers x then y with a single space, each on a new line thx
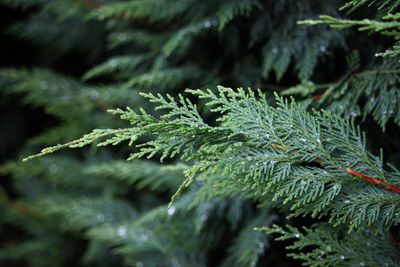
237 163
375 92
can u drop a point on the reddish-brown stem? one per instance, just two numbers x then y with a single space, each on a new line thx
365 177
317 97
352 72
374 181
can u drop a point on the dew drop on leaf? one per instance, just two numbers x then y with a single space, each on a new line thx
171 210
53 168
207 24
100 218
122 37
121 231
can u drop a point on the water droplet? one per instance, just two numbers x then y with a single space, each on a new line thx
362 264
336 186
207 24
347 201
53 168
122 37
353 114
173 138
193 136
297 235
121 231
368 243
342 257
322 48
171 210
113 63
94 94
274 50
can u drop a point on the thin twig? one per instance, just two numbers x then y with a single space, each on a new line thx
363 176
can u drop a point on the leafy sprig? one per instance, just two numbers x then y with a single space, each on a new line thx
302 159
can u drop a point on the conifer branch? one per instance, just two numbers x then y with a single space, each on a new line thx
274 142
373 86
328 246
363 176
374 181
